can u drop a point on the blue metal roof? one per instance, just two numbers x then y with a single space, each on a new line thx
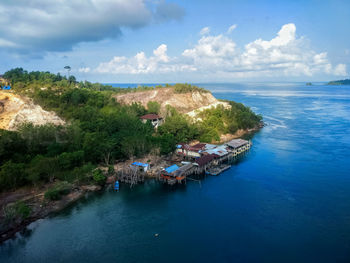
172 168
140 164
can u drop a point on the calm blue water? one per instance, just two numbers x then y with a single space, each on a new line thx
287 200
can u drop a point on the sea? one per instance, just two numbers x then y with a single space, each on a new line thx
286 200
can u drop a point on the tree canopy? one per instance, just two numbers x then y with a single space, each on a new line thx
99 131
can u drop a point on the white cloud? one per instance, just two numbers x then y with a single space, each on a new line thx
285 36
340 70
211 46
84 70
204 31
141 64
36 26
231 29
160 53
286 54
217 55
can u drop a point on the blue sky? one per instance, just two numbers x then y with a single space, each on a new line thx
178 41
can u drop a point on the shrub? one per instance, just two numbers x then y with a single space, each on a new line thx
153 107
99 178
52 194
184 88
22 209
17 210
110 170
55 193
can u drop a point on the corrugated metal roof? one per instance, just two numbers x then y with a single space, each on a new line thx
199 145
195 148
204 159
210 146
220 151
236 143
140 164
183 169
172 168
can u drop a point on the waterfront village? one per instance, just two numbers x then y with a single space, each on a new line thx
188 160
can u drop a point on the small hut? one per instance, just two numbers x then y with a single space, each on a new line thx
155 119
143 167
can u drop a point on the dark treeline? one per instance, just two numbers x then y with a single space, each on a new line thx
20 78
339 82
99 130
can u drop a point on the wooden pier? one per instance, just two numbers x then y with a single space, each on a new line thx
216 170
131 175
213 161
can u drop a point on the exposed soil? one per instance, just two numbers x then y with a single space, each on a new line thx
16 109
184 102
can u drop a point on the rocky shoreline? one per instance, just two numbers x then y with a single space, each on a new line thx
39 207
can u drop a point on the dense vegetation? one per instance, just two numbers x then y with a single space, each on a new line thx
220 120
99 130
339 82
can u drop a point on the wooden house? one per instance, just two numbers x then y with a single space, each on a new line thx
190 151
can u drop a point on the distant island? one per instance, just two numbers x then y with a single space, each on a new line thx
339 82
308 84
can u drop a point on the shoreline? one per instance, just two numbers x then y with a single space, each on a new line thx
41 208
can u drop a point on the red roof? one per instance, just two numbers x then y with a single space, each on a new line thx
194 148
199 145
204 159
150 117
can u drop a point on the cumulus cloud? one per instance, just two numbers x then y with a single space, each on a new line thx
284 55
33 26
211 53
141 64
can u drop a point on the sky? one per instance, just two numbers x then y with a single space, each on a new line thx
156 41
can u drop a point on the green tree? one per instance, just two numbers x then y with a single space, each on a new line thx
43 168
153 107
12 175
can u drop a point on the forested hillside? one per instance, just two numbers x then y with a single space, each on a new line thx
98 130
